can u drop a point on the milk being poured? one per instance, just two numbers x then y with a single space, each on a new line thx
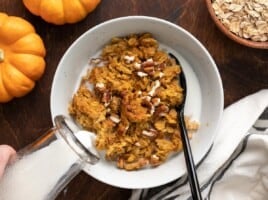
34 176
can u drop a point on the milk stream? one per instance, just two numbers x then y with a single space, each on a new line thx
34 176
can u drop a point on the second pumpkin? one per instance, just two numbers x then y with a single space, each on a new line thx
61 11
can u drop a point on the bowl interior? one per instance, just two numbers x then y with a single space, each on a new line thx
204 97
232 36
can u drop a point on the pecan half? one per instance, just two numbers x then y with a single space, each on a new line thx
155 160
161 66
161 110
146 102
129 59
122 128
100 87
156 101
150 133
149 70
156 85
106 97
115 118
142 74
148 66
148 62
137 65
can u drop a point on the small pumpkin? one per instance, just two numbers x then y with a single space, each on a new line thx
22 55
61 11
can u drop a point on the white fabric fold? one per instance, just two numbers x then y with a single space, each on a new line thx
237 119
247 177
236 122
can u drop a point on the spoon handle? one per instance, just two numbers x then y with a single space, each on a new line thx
192 177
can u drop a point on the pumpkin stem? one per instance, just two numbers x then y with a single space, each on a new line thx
2 56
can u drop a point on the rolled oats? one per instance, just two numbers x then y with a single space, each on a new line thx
245 18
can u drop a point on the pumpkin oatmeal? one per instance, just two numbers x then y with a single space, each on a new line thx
128 99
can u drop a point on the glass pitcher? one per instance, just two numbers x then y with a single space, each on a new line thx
43 168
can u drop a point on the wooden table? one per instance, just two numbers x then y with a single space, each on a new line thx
243 71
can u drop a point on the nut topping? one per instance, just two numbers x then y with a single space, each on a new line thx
161 110
122 128
137 65
100 87
106 97
115 118
129 59
142 74
137 144
155 160
156 85
150 133
156 101
161 74
2 55
161 66
148 62
147 103
149 70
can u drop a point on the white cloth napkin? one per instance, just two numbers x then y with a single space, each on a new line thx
236 168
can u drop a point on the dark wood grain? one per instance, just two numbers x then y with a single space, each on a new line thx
243 71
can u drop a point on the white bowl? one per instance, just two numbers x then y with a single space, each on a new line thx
204 98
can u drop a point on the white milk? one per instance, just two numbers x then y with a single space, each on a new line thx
35 175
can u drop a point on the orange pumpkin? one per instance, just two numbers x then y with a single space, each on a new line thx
21 57
61 11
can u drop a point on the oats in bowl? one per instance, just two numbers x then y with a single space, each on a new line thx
247 19
131 106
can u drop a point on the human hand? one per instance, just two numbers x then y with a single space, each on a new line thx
6 154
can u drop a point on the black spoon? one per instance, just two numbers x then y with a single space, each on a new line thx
192 177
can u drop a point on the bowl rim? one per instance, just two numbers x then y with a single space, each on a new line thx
155 19
229 34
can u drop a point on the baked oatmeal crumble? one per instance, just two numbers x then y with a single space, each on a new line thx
131 107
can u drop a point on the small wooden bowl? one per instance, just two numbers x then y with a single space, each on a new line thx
232 36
